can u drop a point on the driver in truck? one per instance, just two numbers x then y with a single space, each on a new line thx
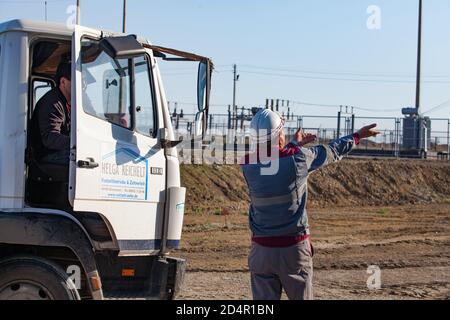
50 123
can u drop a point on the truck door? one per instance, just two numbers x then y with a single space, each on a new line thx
117 167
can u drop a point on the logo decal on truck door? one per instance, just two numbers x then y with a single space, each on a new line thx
124 175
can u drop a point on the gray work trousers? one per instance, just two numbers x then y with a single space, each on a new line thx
274 269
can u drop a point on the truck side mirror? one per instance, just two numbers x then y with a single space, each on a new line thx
123 47
203 86
203 91
200 124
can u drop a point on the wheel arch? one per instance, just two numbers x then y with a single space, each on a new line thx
50 228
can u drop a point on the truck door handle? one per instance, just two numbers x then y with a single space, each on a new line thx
87 164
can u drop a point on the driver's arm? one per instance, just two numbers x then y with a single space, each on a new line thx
51 120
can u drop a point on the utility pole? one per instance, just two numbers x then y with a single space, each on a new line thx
235 79
78 12
45 10
338 134
124 28
419 57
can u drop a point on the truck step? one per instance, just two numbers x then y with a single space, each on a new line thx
128 296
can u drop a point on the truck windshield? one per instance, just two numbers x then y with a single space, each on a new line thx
107 84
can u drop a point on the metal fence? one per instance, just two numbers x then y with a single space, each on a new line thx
390 142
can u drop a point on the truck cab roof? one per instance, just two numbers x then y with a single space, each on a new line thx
50 28
35 26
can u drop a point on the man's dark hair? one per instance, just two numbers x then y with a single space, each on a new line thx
64 71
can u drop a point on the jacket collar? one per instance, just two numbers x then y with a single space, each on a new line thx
61 96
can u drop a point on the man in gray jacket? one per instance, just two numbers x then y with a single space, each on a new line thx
281 253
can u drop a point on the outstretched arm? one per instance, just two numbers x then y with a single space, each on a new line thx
322 155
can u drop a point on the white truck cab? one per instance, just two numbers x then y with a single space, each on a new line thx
117 210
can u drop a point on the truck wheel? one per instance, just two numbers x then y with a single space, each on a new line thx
34 278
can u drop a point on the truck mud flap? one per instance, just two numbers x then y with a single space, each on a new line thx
170 275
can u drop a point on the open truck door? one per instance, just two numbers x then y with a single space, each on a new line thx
118 166
122 142
175 195
205 68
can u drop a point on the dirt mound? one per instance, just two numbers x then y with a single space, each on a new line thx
380 182
213 188
361 182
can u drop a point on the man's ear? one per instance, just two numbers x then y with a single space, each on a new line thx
64 81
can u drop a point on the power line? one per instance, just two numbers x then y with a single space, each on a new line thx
192 68
186 73
334 106
440 106
315 104
336 79
370 109
343 73
195 104
377 110
298 71
323 105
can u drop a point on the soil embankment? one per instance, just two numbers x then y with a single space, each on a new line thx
352 182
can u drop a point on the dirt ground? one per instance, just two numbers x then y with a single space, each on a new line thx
409 243
391 213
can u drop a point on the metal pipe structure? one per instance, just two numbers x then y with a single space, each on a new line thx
124 24
338 125
419 57
235 79
78 12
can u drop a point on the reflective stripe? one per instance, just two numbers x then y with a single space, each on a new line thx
284 199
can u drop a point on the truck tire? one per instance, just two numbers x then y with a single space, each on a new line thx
34 278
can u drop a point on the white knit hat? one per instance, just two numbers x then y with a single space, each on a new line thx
266 125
